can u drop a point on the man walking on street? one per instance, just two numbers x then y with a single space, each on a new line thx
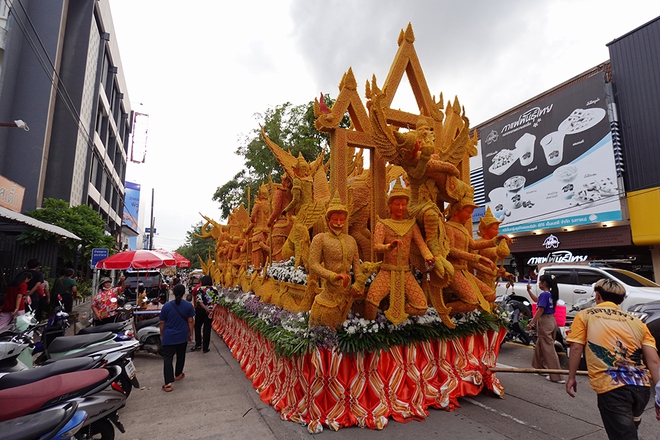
616 345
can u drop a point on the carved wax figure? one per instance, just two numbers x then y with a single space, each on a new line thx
497 250
303 187
259 228
279 222
393 237
470 291
332 255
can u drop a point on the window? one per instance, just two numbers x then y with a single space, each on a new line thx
562 276
588 277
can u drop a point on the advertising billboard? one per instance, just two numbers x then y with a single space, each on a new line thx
551 164
131 205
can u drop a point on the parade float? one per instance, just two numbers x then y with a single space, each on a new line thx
361 297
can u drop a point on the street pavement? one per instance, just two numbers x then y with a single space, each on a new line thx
216 401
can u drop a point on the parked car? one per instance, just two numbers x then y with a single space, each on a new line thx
150 280
576 282
649 313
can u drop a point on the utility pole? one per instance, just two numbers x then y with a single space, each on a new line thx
151 229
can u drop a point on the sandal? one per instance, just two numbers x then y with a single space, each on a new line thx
180 376
168 388
196 347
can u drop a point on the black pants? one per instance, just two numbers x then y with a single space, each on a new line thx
168 355
621 410
202 320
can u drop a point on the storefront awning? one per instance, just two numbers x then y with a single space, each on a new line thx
8 217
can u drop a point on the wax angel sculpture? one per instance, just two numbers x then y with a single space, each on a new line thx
393 237
308 194
333 255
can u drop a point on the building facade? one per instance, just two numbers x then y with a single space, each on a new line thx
572 173
61 73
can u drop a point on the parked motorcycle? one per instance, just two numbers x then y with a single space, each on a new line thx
519 314
16 352
102 348
148 334
55 423
95 391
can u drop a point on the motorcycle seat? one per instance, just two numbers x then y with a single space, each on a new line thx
147 322
67 343
19 401
86 353
20 378
114 327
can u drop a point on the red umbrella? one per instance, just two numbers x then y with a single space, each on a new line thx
181 261
138 259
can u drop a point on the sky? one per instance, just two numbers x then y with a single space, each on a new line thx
204 70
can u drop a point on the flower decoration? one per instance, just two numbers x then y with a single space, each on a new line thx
291 334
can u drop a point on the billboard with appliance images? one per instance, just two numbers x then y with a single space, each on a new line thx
551 164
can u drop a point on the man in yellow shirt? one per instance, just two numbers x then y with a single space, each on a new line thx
617 343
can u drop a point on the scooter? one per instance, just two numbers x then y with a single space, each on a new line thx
106 352
16 352
56 424
16 347
96 392
148 334
519 313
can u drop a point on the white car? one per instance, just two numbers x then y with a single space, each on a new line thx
576 282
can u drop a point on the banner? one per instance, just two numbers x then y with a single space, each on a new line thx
131 205
551 164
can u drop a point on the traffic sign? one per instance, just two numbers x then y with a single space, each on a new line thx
99 254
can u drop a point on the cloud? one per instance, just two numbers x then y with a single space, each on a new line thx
203 69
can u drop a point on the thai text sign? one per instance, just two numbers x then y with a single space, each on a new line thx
11 194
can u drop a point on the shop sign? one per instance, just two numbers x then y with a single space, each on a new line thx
558 257
551 242
551 164
11 194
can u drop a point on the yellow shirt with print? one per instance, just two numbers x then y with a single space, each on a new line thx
613 343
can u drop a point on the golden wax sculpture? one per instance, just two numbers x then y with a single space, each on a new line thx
304 251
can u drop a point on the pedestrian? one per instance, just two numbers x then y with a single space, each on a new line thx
616 345
14 304
205 296
44 299
33 266
545 355
176 330
104 304
66 287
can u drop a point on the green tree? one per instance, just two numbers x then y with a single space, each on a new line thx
80 220
292 128
196 247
